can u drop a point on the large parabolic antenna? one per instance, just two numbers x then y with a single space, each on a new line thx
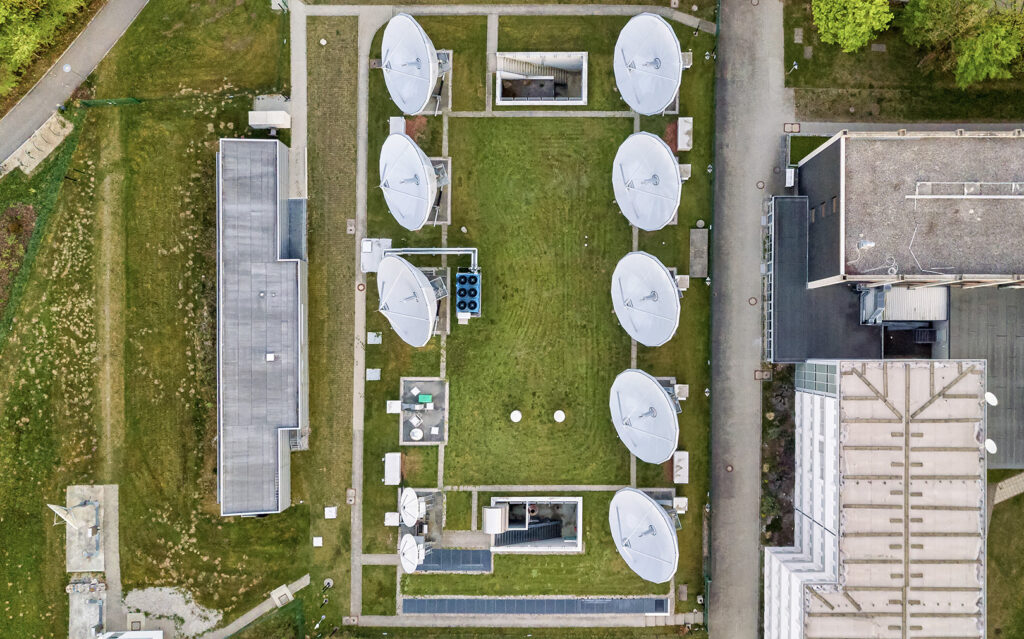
647 183
644 534
407 299
408 181
645 298
410 553
644 416
410 63
648 63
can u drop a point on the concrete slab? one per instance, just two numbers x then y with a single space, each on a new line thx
84 547
699 253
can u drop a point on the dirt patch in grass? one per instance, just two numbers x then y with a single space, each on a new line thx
414 127
16 224
671 136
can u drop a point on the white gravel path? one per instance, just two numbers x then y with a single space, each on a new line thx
171 602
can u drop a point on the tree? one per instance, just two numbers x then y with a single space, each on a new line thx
937 24
851 24
989 51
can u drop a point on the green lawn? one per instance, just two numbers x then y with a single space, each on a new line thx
595 35
802 145
39 191
599 570
1006 570
287 622
379 590
458 510
894 86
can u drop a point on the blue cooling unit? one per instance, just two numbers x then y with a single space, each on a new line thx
467 292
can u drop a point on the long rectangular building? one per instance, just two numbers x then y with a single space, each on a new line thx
262 377
889 502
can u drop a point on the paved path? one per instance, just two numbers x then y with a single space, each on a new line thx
831 128
54 88
380 560
536 488
370 19
263 608
540 114
521 10
492 60
1009 488
115 611
752 106
297 177
524 621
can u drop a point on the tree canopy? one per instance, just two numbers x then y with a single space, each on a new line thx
988 52
26 26
851 24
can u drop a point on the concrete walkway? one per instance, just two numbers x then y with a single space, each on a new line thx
751 107
523 621
115 610
1009 488
536 488
297 177
520 10
540 114
831 128
54 88
266 606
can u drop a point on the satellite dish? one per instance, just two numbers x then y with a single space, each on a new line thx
644 416
408 181
407 299
410 64
648 64
644 534
66 514
409 507
646 180
991 399
410 553
645 298
991 447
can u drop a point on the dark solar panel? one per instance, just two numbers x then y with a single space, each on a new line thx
456 560
538 606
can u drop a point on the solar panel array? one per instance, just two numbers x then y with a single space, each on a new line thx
456 560
560 606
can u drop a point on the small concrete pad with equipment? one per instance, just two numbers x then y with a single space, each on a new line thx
699 253
423 419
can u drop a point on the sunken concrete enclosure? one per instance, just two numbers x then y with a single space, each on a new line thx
538 79
262 408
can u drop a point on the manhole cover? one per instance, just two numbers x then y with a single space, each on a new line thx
752 301
728 468
754 2
360 287
777 170
760 184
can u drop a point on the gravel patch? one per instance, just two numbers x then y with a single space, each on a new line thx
191 618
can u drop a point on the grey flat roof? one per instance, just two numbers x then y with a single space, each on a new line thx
957 198
821 323
257 314
987 323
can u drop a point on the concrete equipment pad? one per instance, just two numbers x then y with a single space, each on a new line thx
84 552
699 253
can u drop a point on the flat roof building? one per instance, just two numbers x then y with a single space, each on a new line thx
906 245
262 378
889 504
915 207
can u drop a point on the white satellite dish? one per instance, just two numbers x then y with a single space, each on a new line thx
645 298
991 399
646 180
644 416
644 534
409 507
648 64
410 553
407 299
408 181
410 63
990 447
67 515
